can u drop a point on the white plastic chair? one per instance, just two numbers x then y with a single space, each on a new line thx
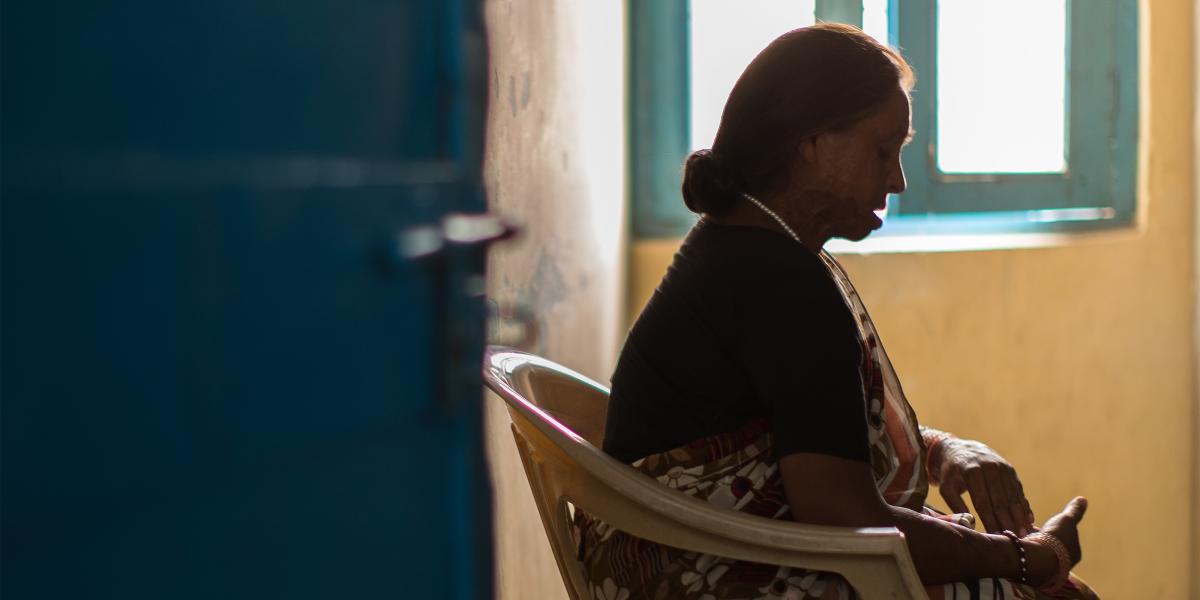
558 422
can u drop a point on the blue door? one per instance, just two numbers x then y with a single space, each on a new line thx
240 300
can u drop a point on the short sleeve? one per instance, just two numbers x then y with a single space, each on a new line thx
802 353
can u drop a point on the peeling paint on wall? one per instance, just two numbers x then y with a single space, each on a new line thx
554 165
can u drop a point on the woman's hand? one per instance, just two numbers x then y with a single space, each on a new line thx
968 466
1065 527
1043 562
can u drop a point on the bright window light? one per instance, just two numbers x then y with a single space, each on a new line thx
726 36
1001 86
875 19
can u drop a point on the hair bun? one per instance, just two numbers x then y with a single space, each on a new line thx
708 187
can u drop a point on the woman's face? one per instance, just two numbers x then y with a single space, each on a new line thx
850 172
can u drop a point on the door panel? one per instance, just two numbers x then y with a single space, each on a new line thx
221 377
358 78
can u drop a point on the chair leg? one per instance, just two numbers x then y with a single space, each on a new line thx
548 505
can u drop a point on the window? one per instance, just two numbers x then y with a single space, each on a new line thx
1025 111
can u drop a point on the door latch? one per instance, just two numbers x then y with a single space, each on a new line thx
456 251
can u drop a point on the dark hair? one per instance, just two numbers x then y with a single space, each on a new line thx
807 81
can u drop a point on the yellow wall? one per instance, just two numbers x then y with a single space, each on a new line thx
1076 362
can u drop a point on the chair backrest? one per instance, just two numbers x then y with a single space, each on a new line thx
576 402
558 422
549 403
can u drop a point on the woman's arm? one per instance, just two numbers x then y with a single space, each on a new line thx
828 490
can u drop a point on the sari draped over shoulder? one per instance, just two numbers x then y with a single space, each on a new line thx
736 470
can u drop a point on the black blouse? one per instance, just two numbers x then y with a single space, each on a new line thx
746 323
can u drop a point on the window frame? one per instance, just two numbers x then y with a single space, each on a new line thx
1097 191
1098 188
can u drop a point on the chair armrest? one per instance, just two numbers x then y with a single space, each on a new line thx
683 509
875 560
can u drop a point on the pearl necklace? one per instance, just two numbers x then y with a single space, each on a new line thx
772 214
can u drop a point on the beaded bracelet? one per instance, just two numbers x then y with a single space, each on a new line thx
1016 540
1060 551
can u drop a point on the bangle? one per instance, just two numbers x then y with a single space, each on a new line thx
934 441
1016 540
1060 551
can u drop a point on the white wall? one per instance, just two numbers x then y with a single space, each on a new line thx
555 165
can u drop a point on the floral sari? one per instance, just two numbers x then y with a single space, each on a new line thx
736 470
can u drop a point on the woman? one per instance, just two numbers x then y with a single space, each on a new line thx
755 379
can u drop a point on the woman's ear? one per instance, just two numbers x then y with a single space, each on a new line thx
813 154
808 150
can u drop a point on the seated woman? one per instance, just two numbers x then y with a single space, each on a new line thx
754 378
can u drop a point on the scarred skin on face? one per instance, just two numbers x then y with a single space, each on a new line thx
842 177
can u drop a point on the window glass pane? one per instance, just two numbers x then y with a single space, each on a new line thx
725 37
1001 86
875 19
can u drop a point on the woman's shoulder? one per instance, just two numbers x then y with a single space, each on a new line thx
748 249
756 264
733 272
